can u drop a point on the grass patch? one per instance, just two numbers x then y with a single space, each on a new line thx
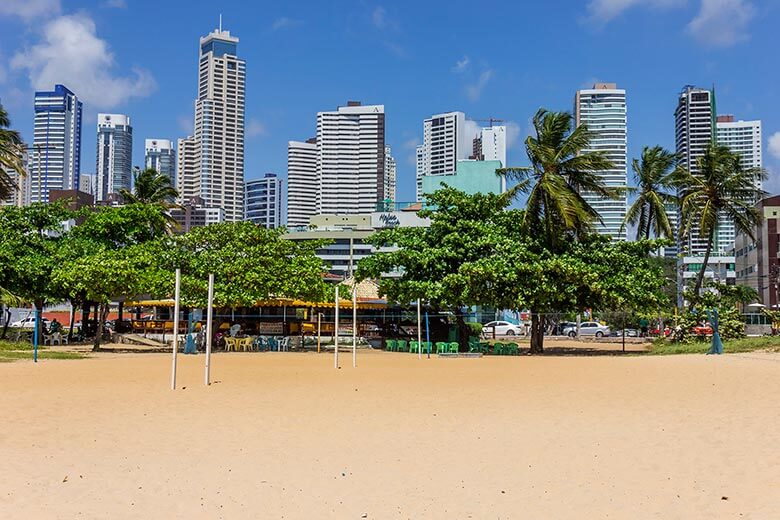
13 351
6 345
734 346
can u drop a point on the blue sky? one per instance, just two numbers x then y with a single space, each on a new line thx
488 59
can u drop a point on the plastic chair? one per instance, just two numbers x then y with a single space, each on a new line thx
402 345
390 345
426 346
499 349
414 347
231 343
512 349
441 347
454 347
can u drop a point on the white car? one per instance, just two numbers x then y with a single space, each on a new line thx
588 328
28 323
502 328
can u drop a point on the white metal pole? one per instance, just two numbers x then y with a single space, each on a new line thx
175 329
336 332
419 332
354 323
209 315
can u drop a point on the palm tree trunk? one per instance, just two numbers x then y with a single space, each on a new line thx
649 224
700 276
537 334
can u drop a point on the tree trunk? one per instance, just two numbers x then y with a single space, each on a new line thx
72 319
463 330
101 318
39 311
85 318
700 276
537 333
649 224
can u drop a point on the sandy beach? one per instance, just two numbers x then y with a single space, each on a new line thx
288 436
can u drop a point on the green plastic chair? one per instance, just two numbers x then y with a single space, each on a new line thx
484 347
414 346
390 345
441 347
401 346
454 347
512 349
427 347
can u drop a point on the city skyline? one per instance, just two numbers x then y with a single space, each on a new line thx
475 77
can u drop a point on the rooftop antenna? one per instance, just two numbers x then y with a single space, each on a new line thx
220 22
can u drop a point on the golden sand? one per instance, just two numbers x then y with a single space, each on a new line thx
288 436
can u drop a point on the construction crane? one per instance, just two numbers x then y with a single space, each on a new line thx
490 121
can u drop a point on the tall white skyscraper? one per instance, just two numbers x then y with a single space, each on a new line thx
161 156
114 168
55 160
302 182
744 138
187 169
263 201
218 148
445 142
351 158
603 110
492 141
390 175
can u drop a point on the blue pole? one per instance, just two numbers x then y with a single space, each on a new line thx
427 335
35 333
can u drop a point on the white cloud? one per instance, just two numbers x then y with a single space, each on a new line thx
115 4
255 128
410 145
461 65
285 23
472 130
774 145
379 17
29 9
475 91
601 12
513 131
70 53
721 23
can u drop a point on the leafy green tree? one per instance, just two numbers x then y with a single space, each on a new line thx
249 262
653 177
11 149
30 238
726 298
463 229
560 171
150 187
723 187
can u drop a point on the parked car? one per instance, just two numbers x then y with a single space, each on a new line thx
588 328
655 331
561 326
29 323
630 333
502 328
702 330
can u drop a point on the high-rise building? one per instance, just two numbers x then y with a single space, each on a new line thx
302 182
87 183
161 156
492 144
114 168
603 109
419 169
55 158
743 138
263 201
187 176
16 197
351 158
217 152
757 259
390 175
694 132
445 141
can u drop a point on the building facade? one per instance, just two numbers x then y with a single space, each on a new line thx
87 184
55 158
263 201
757 262
470 177
390 175
195 213
445 142
603 109
490 145
351 158
161 156
302 182
216 151
114 167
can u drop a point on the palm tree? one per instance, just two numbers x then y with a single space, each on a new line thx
559 171
150 187
653 176
11 148
723 187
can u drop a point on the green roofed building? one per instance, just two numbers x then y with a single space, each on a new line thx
470 176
